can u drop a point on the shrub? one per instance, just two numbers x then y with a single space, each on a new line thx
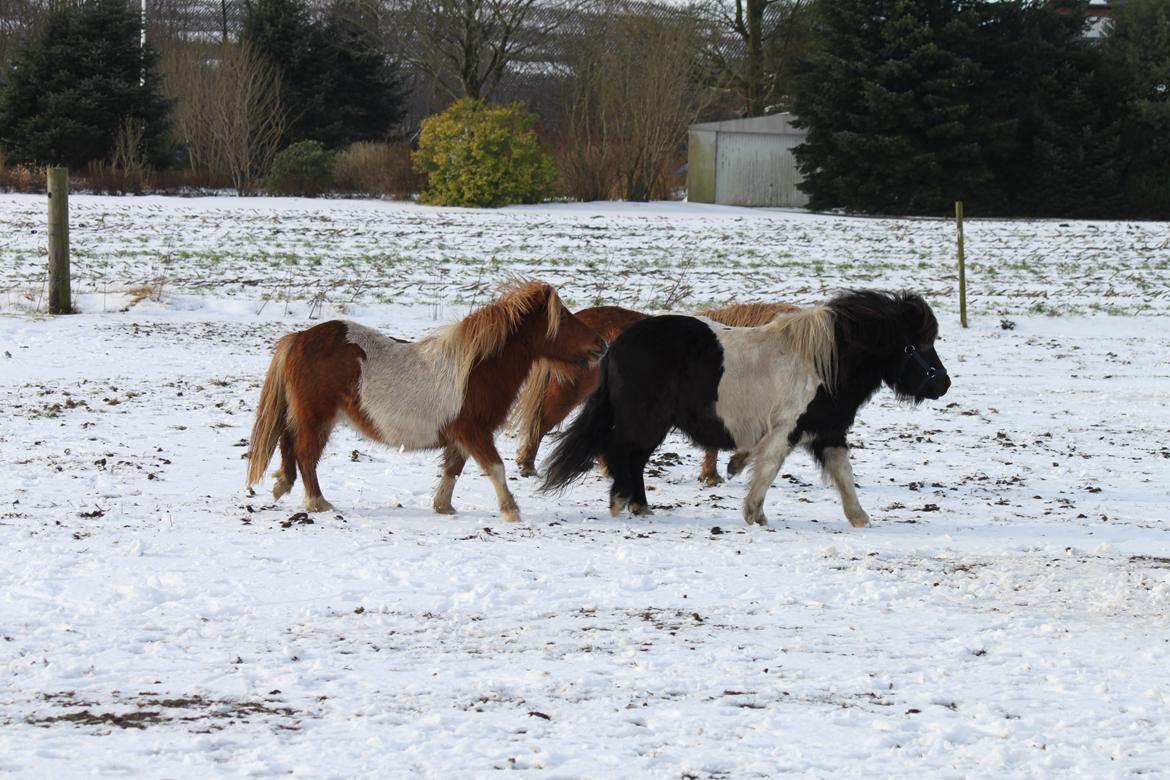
476 155
376 169
21 178
305 168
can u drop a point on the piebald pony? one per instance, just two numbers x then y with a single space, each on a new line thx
797 381
451 390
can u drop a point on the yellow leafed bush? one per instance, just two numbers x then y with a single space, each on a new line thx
478 155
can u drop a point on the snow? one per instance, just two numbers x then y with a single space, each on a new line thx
1008 614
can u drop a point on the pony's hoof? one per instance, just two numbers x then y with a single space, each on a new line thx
281 488
527 470
444 509
511 515
736 463
616 505
318 504
860 521
755 515
641 509
711 480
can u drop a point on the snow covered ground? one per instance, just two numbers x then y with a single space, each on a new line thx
1007 615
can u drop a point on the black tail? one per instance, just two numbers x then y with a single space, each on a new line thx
580 444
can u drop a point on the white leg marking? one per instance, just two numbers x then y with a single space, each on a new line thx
318 504
840 470
443 493
766 459
508 507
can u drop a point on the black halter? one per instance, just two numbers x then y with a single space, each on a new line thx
929 372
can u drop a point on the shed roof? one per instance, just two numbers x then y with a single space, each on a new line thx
773 124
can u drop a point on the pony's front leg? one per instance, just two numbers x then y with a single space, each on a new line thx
481 447
767 457
453 460
840 470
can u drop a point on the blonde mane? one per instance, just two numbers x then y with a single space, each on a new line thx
484 332
748 315
809 333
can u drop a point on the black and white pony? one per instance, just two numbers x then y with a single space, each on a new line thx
797 381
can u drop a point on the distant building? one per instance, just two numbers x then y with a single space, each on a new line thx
1100 18
745 162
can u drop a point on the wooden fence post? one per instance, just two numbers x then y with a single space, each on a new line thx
60 294
962 266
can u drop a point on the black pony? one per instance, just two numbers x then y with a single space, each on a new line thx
798 380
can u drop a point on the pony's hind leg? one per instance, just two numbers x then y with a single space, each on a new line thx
454 459
639 505
767 458
709 473
617 463
840 470
286 475
308 448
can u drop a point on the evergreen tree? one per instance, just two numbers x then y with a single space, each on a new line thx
364 89
916 103
1138 51
887 104
283 32
339 86
1077 143
1067 160
72 88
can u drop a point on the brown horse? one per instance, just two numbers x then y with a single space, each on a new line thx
553 391
451 390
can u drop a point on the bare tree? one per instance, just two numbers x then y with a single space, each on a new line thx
752 45
228 112
466 46
18 20
634 92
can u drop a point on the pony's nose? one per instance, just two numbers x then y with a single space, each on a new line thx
942 384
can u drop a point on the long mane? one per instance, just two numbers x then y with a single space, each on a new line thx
809 333
748 315
483 333
877 320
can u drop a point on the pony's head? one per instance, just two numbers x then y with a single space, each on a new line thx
567 339
898 331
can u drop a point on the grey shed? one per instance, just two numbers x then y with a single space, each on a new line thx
745 162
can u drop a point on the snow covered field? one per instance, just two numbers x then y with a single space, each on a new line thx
1007 615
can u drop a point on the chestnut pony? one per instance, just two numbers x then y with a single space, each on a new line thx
552 392
451 390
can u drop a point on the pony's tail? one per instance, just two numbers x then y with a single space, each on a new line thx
271 415
529 407
580 444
